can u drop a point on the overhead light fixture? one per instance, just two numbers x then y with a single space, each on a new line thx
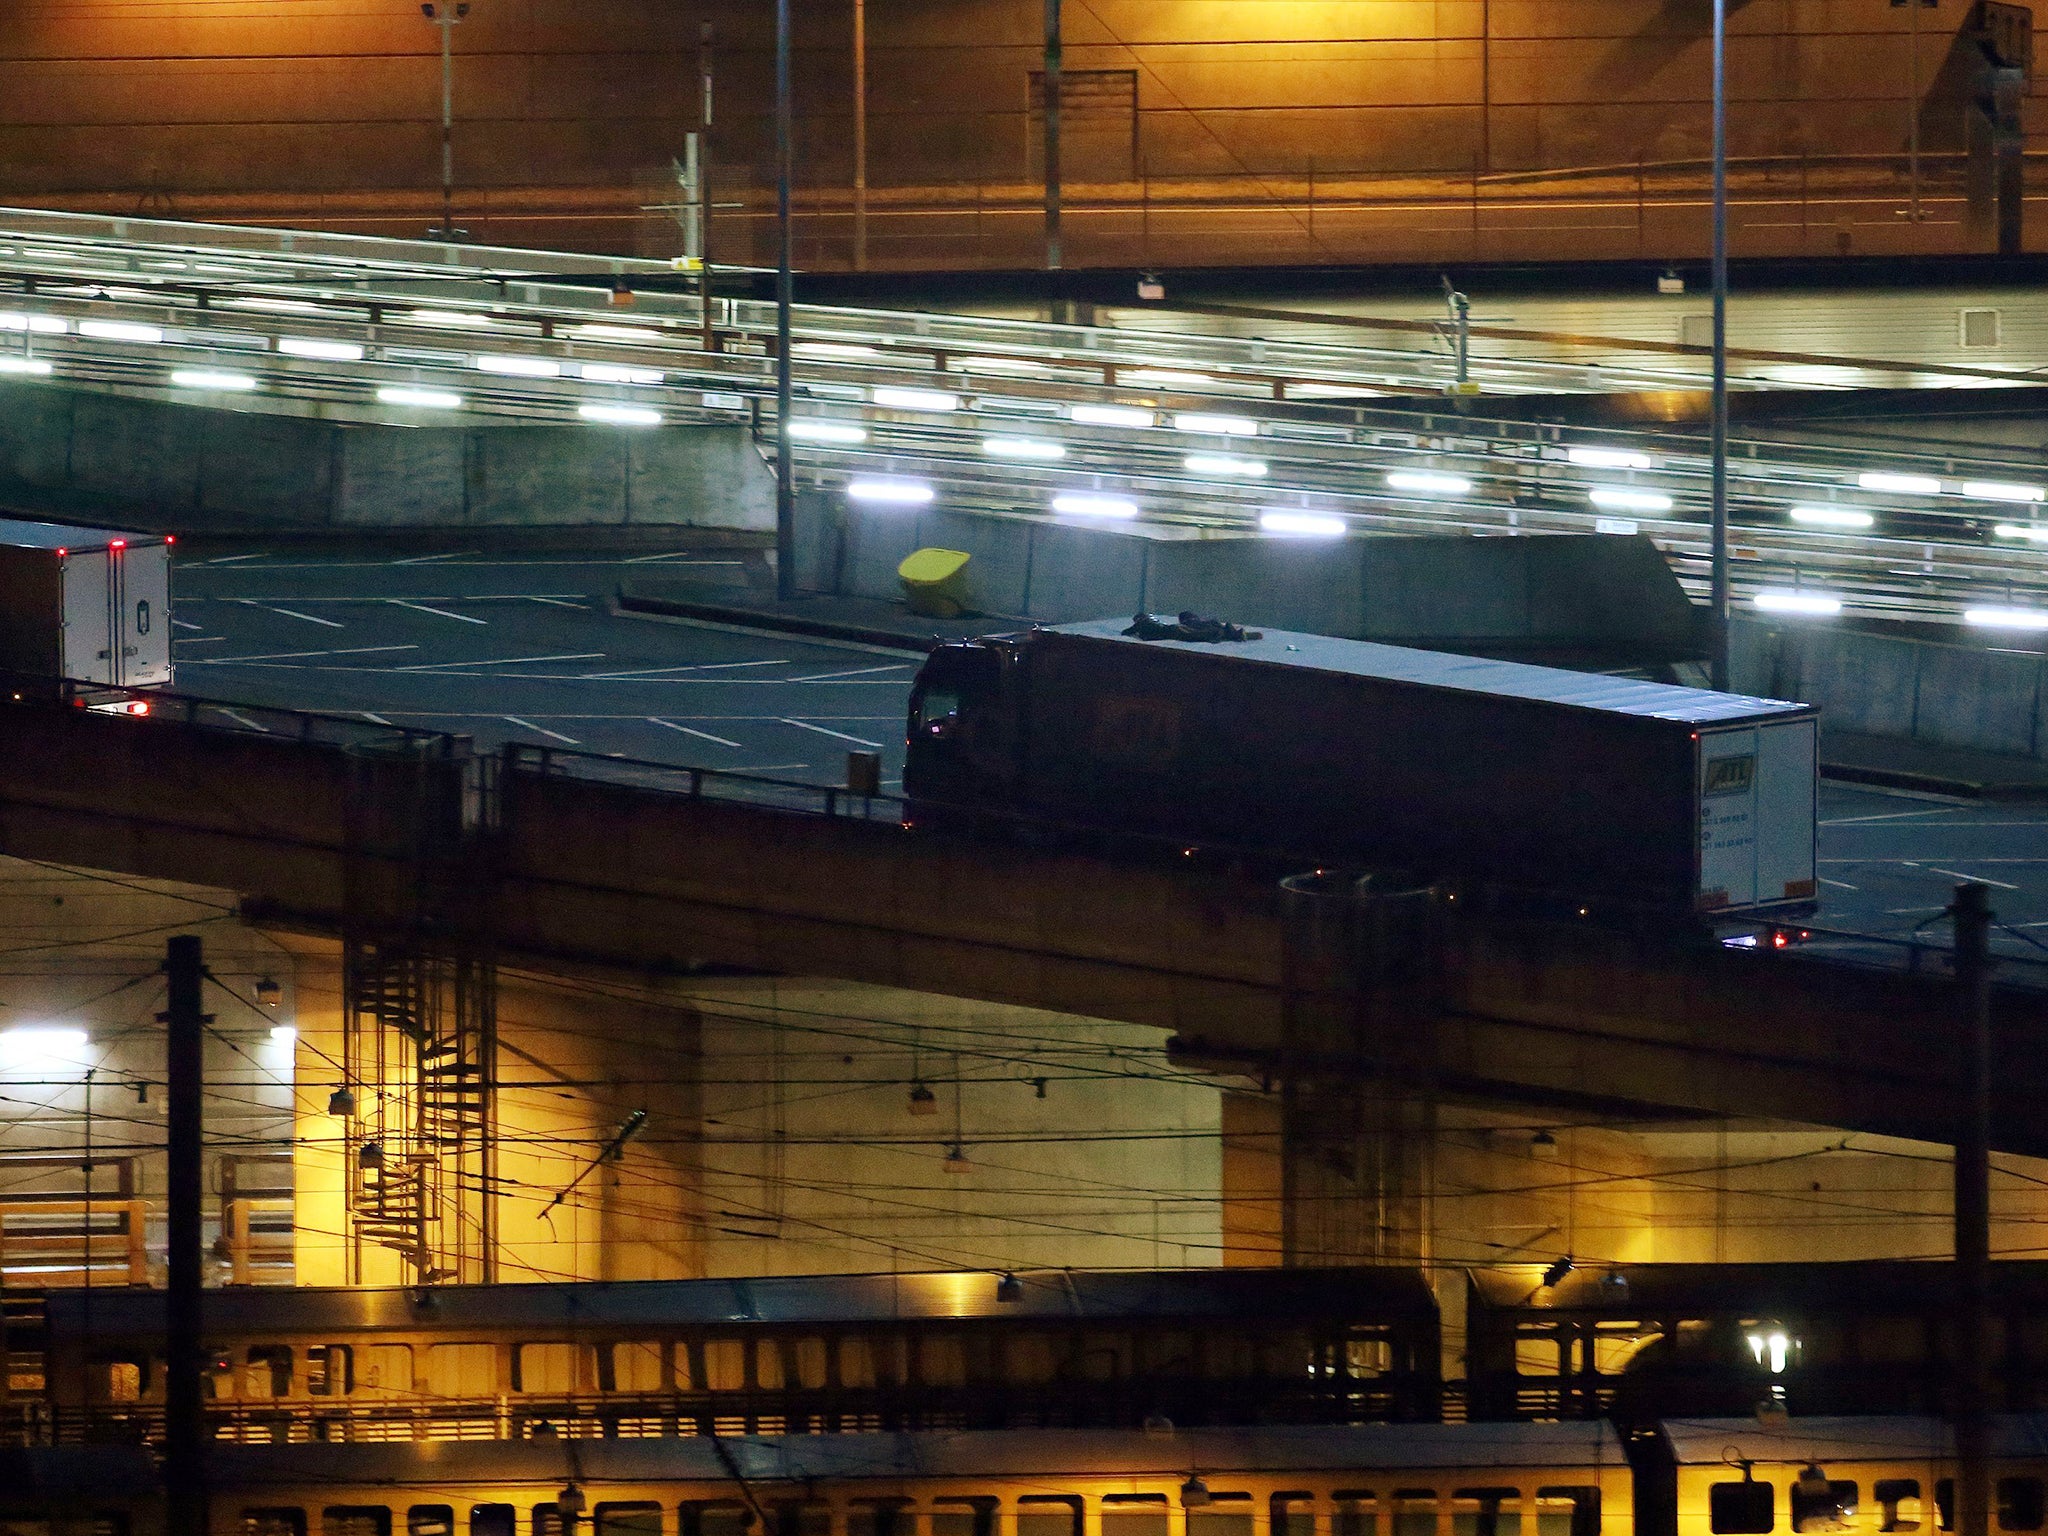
1899 485
614 333
1428 482
1224 464
283 1034
1009 1288
922 1100
451 317
891 493
1309 525
619 415
1111 415
1616 499
1999 490
268 992
956 1159
427 399
1328 389
341 1104
1166 378
370 1155
519 367
1219 426
209 378
28 365
40 325
1022 448
1609 458
827 432
934 400
33 1046
325 351
832 349
120 330
1832 517
1557 1269
620 373
1779 600
2036 533
1090 504
999 365
2007 618
1194 1493
271 306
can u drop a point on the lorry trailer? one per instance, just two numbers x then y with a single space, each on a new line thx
1513 778
85 605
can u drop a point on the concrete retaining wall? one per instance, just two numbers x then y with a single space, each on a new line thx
1885 685
183 468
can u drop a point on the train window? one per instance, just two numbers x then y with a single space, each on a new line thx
1293 1514
1285 1355
1891 1341
1414 1512
808 1357
942 1362
430 1520
548 1521
492 1520
1898 1503
1226 1514
628 1520
286 1520
108 1522
330 1370
384 1370
1367 1358
217 1381
1541 1356
963 1517
462 1370
1945 1504
2019 1504
1135 1514
1048 1515
549 1368
12 1526
1746 1508
268 1372
1353 1512
878 1517
768 1364
1832 1510
355 1520
1229 1356
807 1519
1031 1358
119 1380
1568 1511
717 1518
1486 1512
1105 1356
725 1364
630 1367
856 1363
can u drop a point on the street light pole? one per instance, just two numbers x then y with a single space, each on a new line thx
444 14
1053 51
860 135
785 471
1718 599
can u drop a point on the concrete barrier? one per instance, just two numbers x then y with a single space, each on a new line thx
182 468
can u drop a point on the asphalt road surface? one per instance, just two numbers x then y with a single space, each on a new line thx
525 648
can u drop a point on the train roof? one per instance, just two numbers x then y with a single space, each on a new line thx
1840 1440
1043 1455
1756 1290
16 533
1195 1295
1465 674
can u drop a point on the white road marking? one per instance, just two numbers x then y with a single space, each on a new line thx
858 741
1957 874
528 725
762 767
373 717
241 719
826 677
687 731
290 613
231 559
702 666
352 650
498 661
558 602
674 555
182 624
1850 821
430 559
1840 885
463 618
200 640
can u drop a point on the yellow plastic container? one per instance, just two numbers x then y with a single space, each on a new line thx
935 582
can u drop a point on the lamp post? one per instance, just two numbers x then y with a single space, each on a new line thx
1053 52
1718 599
860 135
785 471
444 14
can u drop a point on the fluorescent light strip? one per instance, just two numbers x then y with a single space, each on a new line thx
1832 517
1616 499
1819 604
1428 481
273 306
620 373
2007 618
1086 504
1224 464
827 432
620 415
207 378
999 365
936 400
1998 490
890 493
841 349
428 399
614 333
450 317
40 325
29 365
120 330
1220 426
1022 448
1110 415
1899 485
520 367
1308 525
2033 533
327 351
1609 458
1166 377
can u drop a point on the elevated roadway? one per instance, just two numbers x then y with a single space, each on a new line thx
321 821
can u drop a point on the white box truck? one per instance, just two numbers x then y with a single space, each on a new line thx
85 605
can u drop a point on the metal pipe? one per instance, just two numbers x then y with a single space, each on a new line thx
785 472
1052 135
184 1037
860 135
705 35
1972 916
1718 600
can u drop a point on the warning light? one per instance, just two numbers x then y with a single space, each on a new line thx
138 707
117 544
170 538
62 552
1780 938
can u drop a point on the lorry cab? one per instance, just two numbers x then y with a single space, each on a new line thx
957 745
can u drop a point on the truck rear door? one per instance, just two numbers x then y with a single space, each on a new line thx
1756 815
87 650
143 614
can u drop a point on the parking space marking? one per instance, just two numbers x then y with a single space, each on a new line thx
290 613
858 741
688 731
528 725
832 677
1957 874
352 650
461 618
499 661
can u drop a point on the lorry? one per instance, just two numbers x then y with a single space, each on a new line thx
1521 780
84 605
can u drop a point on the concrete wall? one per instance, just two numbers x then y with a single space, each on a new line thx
1555 591
187 468
1944 695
